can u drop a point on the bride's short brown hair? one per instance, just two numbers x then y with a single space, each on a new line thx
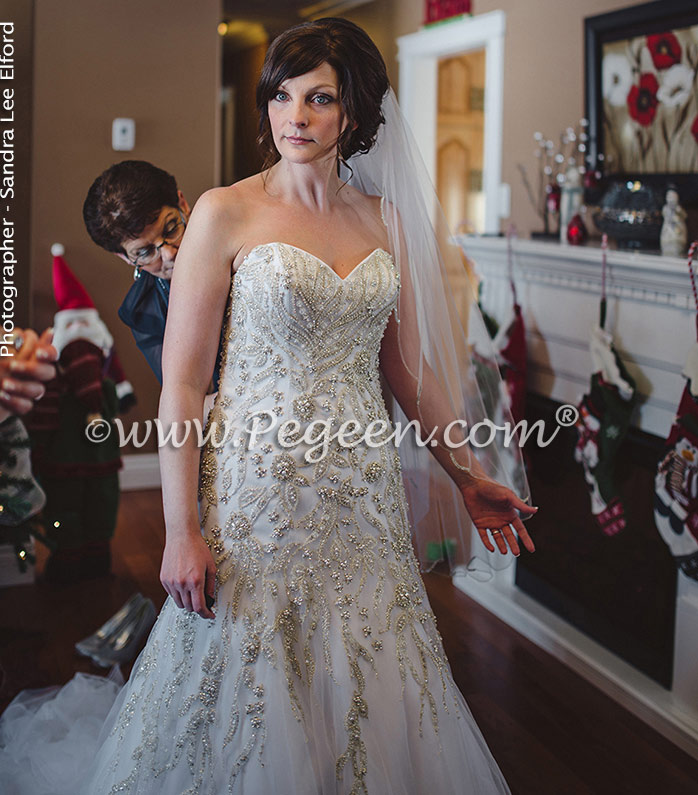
360 69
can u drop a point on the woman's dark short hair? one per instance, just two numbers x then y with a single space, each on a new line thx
125 199
360 69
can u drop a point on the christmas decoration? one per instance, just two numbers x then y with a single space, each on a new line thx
676 482
506 394
576 230
571 199
21 497
674 234
553 194
79 475
438 10
559 169
510 344
604 418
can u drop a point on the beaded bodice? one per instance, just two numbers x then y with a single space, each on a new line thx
295 323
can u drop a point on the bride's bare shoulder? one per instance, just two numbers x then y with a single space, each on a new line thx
231 202
226 213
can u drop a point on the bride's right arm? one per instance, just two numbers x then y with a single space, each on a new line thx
199 290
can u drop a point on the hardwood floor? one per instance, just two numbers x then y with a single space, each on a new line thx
550 730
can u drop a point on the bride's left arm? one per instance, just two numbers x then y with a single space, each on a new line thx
490 504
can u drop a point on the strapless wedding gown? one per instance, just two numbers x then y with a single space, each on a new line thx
323 671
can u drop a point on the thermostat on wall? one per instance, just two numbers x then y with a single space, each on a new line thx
123 135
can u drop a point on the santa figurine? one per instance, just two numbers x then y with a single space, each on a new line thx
76 447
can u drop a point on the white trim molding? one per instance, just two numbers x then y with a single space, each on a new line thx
140 471
418 56
648 278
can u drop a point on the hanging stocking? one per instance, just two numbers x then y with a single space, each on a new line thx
604 418
510 344
676 488
676 482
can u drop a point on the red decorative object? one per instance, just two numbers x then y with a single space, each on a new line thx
552 197
576 231
664 49
591 178
436 10
642 99
694 129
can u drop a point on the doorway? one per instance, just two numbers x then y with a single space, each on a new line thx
460 132
424 57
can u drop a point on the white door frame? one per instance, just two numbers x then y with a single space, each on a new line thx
418 56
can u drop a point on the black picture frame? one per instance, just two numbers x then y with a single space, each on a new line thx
640 20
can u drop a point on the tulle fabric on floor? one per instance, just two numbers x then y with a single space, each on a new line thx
49 736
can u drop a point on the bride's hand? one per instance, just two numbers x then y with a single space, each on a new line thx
494 507
188 573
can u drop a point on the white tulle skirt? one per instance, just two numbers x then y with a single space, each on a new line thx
49 736
158 734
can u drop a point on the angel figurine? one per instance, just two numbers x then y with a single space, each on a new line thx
673 237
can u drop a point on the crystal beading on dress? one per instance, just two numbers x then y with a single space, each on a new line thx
316 575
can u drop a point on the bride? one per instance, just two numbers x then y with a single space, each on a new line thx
297 652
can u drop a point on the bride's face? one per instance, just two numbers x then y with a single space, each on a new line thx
306 116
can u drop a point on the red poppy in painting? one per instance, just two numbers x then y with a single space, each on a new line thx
664 49
642 99
694 129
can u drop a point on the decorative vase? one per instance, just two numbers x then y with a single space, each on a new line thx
631 214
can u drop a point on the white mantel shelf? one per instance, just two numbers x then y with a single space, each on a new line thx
630 274
651 314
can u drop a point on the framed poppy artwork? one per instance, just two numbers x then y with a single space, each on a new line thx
642 94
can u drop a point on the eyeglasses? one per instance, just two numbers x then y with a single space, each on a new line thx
171 236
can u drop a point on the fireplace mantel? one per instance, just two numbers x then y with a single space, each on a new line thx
651 314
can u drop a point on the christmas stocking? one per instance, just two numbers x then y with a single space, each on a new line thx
604 416
511 349
676 482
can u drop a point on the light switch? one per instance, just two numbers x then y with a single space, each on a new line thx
123 135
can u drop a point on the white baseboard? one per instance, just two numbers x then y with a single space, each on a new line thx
641 695
140 472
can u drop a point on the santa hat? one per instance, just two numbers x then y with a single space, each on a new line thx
69 291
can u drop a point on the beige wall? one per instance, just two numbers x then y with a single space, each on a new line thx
377 20
543 79
156 62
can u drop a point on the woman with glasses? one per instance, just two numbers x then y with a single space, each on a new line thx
136 211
